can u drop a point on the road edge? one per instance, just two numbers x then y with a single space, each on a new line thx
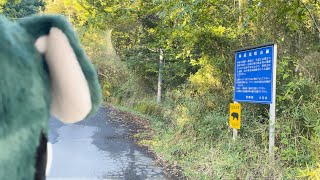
138 124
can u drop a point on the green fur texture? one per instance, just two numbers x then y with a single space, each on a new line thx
25 91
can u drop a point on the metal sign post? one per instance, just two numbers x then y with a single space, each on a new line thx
273 106
235 134
255 81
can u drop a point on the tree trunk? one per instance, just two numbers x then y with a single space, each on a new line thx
243 4
160 77
240 15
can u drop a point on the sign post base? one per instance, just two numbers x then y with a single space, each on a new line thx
235 134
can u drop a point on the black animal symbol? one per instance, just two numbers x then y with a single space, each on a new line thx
235 115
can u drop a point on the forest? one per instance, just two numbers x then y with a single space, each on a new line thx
191 45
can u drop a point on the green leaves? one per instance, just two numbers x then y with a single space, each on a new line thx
22 8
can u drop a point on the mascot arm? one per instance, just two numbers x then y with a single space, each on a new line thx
75 89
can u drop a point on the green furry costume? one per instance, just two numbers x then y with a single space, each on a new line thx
26 90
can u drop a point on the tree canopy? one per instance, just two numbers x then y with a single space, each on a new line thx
21 8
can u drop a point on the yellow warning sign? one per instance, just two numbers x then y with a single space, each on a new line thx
235 115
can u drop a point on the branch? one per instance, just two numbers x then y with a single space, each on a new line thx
310 14
87 9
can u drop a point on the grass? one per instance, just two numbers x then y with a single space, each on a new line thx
204 158
311 173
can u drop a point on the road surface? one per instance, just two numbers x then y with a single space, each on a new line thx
98 148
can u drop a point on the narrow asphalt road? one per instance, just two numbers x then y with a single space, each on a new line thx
98 148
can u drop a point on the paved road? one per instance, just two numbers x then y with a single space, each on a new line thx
98 148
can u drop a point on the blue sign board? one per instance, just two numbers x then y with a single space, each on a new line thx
254 75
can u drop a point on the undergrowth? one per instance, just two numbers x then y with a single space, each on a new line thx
191 126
